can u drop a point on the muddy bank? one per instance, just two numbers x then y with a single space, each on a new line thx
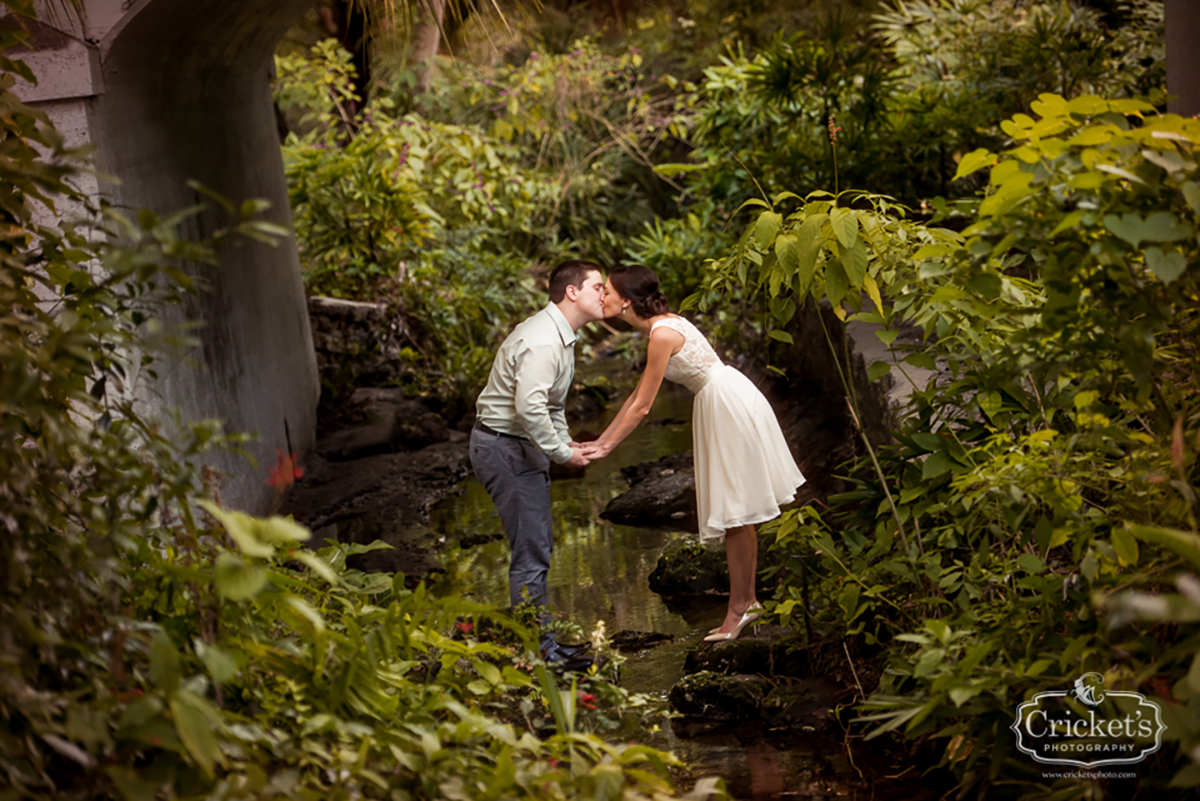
384 497
380 463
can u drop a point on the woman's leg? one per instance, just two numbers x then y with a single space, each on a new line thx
741 551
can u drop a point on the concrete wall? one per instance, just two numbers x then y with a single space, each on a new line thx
171 90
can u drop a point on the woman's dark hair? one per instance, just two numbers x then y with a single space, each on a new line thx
639 285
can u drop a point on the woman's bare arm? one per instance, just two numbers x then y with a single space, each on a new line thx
664 342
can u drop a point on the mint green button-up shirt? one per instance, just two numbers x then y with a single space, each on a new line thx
526 393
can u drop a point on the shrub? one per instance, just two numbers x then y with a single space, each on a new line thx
156 644
1048 471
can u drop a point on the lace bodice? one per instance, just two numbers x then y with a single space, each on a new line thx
695 360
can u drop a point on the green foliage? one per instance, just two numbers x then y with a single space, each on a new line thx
909 96
452 214
677 248
591 122
371 191
1005 53
427 215
989 551
1104 208
152 649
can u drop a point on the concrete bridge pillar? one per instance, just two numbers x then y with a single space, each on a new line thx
171 90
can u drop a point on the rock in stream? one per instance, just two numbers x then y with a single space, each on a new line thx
661 493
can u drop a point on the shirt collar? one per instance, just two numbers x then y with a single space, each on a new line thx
564 328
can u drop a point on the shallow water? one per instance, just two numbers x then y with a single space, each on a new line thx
599 573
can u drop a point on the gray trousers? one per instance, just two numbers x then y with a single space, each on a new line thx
516 474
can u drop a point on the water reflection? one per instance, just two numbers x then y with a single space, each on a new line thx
599 569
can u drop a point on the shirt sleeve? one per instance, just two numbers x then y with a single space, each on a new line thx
536 371
559 418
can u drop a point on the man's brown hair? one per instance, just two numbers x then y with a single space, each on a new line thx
570 273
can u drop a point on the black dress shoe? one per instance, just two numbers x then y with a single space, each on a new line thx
569 664
574 650
568 659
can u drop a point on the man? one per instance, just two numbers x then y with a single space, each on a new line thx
521 426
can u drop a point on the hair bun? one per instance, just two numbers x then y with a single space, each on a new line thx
658 303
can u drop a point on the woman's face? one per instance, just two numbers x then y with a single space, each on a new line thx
612 301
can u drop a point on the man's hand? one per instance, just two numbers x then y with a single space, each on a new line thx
578 458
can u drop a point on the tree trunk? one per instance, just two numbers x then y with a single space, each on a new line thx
1183 57
426 36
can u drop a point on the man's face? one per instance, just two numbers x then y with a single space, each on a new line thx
590 297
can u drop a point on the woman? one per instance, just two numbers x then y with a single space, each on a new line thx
744 471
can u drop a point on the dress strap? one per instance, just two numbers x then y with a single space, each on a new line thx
674 323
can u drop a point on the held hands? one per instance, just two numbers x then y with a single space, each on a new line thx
579 456
588 452
597 450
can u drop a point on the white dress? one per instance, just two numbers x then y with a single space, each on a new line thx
744 470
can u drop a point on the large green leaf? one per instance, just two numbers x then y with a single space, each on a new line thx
782 309
974 161
1125 544
241 528
1184 543
878 370
221 666
236 580
806 266
1031 563
1166 266
836 282
845 226
1191 193
809 234
195 731
1161 226
277 530
164 662
766 228
787 251
936 464
854 259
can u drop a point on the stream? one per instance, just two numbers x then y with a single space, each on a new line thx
599 573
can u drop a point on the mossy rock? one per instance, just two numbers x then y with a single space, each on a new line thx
750 655
629 640
711 695
806 703
769 654
688 567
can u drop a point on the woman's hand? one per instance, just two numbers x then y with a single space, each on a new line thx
597 450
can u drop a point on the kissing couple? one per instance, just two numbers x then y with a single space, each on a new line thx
744 470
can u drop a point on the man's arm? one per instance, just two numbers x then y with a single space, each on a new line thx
535 375
558 418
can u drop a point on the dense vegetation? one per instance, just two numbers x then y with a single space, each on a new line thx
1026 522
1035 514
156 645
